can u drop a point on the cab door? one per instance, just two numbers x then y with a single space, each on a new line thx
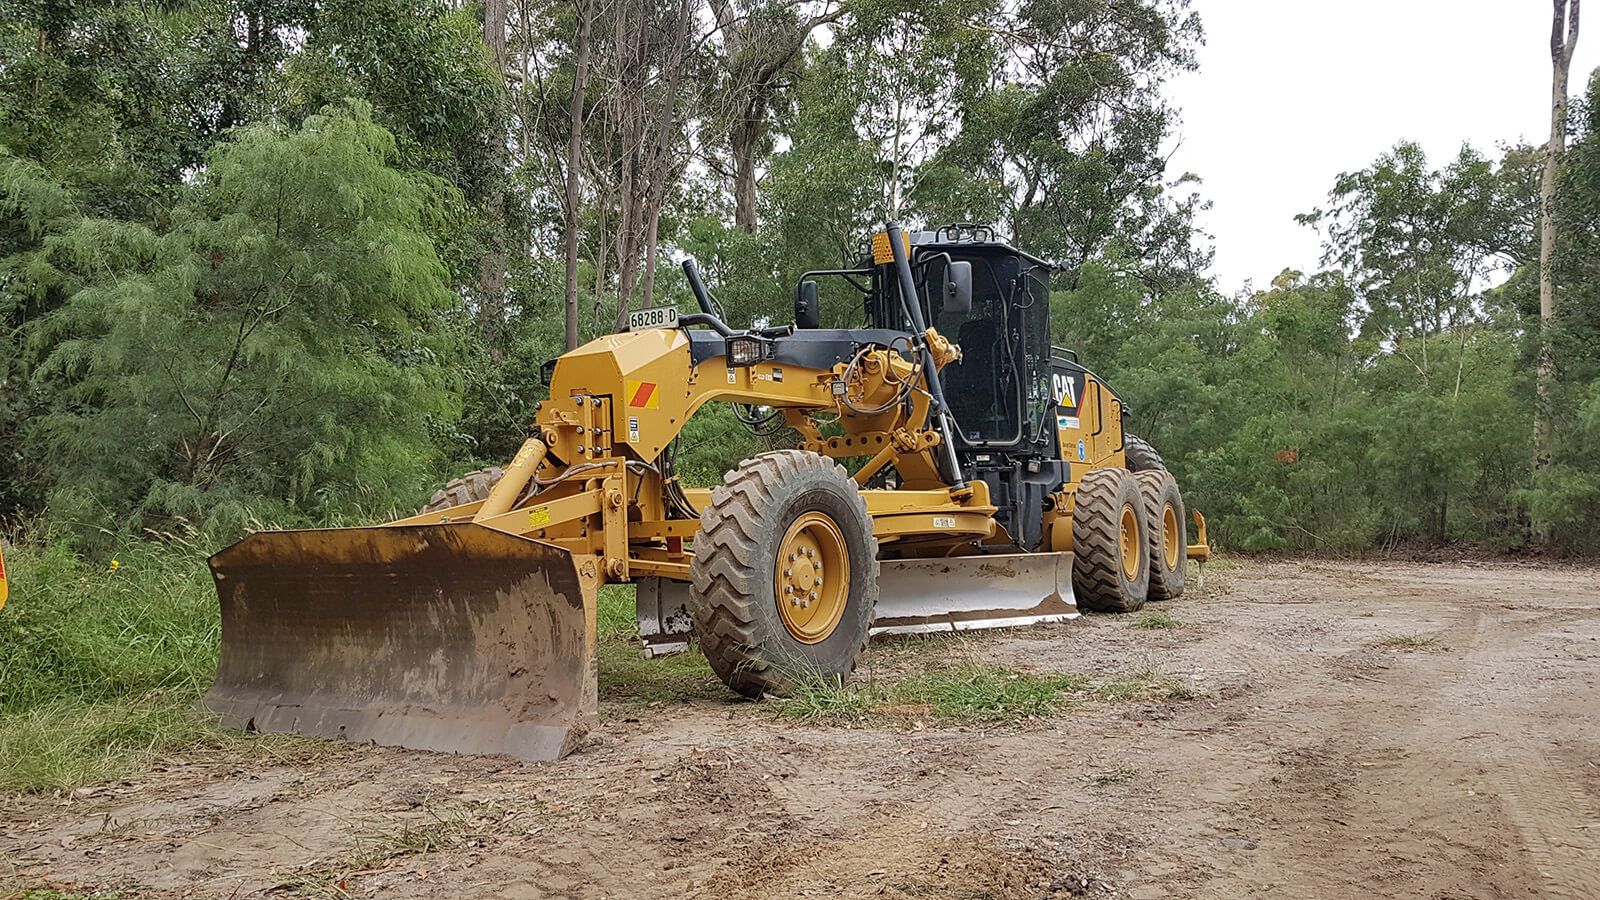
1088 419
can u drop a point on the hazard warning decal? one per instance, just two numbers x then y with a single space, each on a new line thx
643 395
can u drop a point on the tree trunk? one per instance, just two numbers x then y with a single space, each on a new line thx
492 267
1563 41
742 141
580 81
755 57
648 294
661 168
494 32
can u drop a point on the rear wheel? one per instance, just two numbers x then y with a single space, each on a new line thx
1168 533
468 488
785 573
1111 553
1141 454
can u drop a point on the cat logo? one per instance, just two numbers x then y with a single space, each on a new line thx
1066 387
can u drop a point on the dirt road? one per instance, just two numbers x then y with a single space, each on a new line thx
1355 730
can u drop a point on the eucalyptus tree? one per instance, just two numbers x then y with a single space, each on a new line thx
756 52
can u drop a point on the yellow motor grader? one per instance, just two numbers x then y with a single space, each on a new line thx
990 484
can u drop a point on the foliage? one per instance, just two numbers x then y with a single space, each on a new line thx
278 347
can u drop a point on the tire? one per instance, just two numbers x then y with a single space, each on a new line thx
1107 505
771 504
1141 455
1168 531
466 489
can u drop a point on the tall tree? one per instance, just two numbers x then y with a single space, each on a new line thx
645 56
572 196
492 267
1563 43
761 46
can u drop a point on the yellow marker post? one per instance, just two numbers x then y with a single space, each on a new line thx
3 587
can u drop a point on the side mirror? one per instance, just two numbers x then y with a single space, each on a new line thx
958 288
807 309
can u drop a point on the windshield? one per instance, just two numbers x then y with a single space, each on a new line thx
999 390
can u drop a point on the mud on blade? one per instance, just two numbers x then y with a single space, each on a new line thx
434 637
968 593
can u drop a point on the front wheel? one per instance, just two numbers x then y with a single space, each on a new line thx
785 573
1110 550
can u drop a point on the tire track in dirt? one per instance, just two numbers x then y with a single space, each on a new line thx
1375 779
1540 789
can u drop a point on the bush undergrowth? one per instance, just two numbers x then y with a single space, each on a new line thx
101 664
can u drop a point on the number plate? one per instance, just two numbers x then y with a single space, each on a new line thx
655 317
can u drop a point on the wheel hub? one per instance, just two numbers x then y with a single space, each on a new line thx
1129 537
1169 536
812 578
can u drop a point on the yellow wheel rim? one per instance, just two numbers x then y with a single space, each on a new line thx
812 578
1169 536
1130 543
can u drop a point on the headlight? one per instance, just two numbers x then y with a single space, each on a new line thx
746 350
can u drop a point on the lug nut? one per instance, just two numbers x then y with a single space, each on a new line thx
813 596
788 572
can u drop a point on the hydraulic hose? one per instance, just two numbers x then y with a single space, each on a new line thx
949 465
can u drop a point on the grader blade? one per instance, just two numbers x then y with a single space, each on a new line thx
915 596
968 593
456 638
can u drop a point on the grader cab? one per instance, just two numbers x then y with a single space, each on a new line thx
990 483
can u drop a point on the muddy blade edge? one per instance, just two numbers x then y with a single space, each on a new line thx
969 593
454 638
915 596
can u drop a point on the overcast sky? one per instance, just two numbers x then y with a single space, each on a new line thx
1292 92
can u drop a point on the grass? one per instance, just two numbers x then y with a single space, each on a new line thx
410 839
964 693
1155 620
1226 562
978 693
379 848
614 612
1410 643
49 894
1117 775
101 664
1146 684
627 676
52 894
969 693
